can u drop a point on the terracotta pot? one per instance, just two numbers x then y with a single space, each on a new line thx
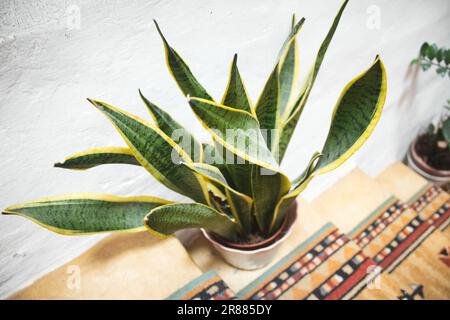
436 176
255 255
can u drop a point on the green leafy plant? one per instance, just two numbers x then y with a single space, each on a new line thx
434 145
240 199
433 56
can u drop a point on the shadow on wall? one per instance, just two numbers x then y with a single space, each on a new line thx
410 89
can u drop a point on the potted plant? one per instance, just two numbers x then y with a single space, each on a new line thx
243 202
429 153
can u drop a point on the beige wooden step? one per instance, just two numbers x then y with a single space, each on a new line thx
400 180
350 200
122 266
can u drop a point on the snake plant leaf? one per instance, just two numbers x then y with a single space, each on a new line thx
156 152
240 204
289 66
354 118
85 213
292 114
295 28
307 172
237 130
267 107
166 220
235 95
237 172
286 200
267 188
173 129
98 156
181 72
446 129
238 169
212 157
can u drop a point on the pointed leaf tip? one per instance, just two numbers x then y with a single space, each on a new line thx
160 32
93 102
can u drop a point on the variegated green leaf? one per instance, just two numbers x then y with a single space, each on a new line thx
267 107
240 204
168 219
238 169
237 172
267 188
212 157
156 152
307 172
181 72
292 114
174 130
295 28
286 200
237 130
289 66
354 117
235 94
85 213
98 156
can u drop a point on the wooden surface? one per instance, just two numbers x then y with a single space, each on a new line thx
122 266
350 200
400 180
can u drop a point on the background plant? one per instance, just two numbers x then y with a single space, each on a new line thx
434 56
234 200
434 145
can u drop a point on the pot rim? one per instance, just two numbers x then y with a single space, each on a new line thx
286 230
425 169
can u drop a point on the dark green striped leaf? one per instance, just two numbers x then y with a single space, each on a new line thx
286 200
289 66
355 117
237 130
267 107
98 156
292 114
181 72
267 188
240 204
168 219
307 172
88 213
235 94
174 130
156 152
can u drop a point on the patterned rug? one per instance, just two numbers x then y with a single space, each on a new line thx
209 286
400 251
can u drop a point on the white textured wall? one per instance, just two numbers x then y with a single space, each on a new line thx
48 68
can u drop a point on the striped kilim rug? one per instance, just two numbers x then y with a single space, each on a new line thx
400 251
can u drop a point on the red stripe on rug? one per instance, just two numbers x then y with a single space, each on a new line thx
442 219
404 245
353 280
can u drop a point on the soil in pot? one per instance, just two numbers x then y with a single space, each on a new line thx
433 152
256 241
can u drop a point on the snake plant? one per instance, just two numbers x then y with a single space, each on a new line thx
236 185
